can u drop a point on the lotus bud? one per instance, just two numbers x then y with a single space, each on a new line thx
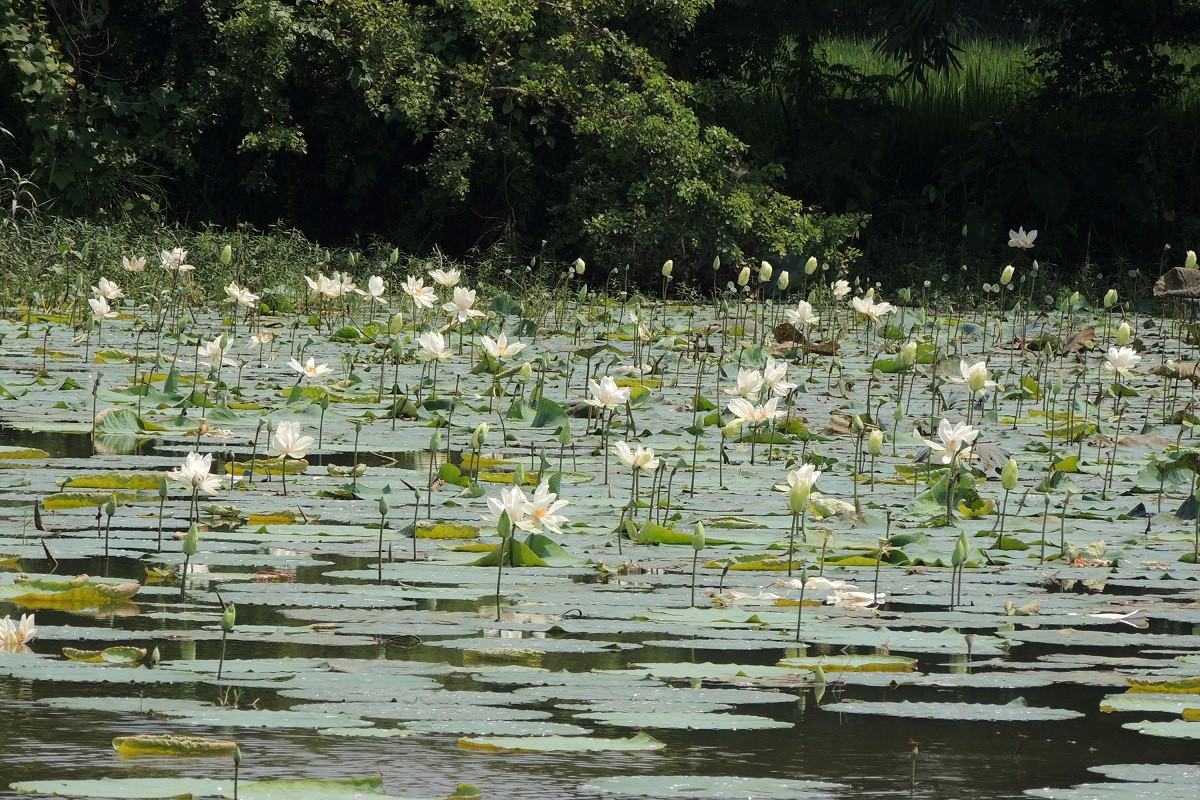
1110 298
519 475
580 265
764 272
977 381
525 372
961 548
1190 261
479 436
228 618
152 661
810 266
818 674
504 525
784 279
383 506
730 430
716 265
564 435
162 489
856 423
395 256
798 497
743 276
698 537
875 442
667 268
227 254
110 507
908 354
189 541
1007 275
435 440
1008 475
1124 334
396 323
898 414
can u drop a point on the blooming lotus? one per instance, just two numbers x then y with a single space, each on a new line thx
433 346
375 288
954 441
804 477
423 296
802 315
107 289
345 284
1019 238
775 377
196 474
240 295
867 307
175 260
287 441
975 376
500 348
840 288
461 308
215 351
311 369
264 337
445 277
100 308
15 635
742 409
324 286
1121 360
641 459
540 511
511 500
606 394
749 383
135 264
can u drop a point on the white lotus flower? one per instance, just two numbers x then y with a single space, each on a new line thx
445 277
743 409
840 288
15 635
540 511
240 295
513 501
974 376
433 346
1121 360
375 288
346 284
310 369
867 307
802 315
461 307
749 383
500 349
215 351
287 441
100 308
1019 238
804 477
135 264
642 458
107 289
264 337
324 287
775 377
954 441
196 473
175 260
422 295
606 394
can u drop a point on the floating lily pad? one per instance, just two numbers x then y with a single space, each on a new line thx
643 742
713 787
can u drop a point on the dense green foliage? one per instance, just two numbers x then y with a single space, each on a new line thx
625 132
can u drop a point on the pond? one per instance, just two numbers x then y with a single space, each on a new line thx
843 640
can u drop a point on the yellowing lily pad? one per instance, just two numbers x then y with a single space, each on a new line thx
168 745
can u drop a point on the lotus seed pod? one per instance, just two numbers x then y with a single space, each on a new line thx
698 537
1009 474
810 266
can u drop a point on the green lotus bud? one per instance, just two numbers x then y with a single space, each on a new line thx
730 429
479 436
1124 334
1075 299
961 548
564 434
395 255
519 475
764 271
579 266
798 496
153 659
784 279
110 507
875 442
525 372
1007 275
227 254
1190 261
504 525
716 265
1009 474
743 276
898 414
810 266
856 422
396 323
698 537
1110 298
383 506
908 354
162 488
189 541
435 441
228 618
819 675
667 268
